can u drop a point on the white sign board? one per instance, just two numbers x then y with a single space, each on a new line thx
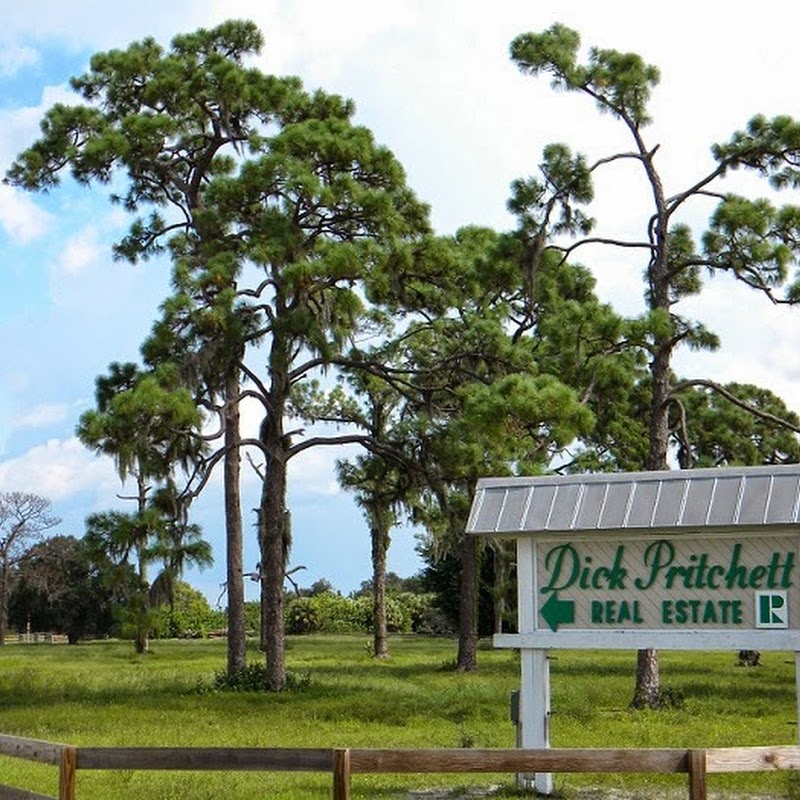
664 591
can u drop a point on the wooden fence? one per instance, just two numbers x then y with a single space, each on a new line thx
343 763
36 637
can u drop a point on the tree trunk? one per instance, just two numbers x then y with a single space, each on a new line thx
142 640
647 693
142 643
273 563
273 540
233 529
380 545
142 622
658 432
468 606
647 688
500 581
273 518
4 570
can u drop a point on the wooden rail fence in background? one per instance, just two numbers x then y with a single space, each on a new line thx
343 763
36 637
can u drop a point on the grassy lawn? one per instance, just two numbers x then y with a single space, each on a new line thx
103 694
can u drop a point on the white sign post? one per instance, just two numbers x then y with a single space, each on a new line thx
534 701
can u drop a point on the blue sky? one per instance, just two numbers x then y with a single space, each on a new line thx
434 83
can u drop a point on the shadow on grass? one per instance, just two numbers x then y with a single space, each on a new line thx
732 693
17 692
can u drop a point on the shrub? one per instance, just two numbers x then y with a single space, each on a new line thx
330 612
417 609
253 677
302 616
398 617
191 616
435 622
327 612
252 617
337 614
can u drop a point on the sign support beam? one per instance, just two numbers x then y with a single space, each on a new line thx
797 688
535 671
535 710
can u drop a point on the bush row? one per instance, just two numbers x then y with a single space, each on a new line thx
327 612
330 612
334 613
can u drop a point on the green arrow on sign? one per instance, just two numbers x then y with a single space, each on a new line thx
555 611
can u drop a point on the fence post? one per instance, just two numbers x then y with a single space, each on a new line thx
697 775
66 774
341 775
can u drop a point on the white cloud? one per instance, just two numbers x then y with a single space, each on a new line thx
13 58
310 472
43 415
82 273
80 251
92 24
20 126
759 340
251 414
360 29
58 469
21 219
313 471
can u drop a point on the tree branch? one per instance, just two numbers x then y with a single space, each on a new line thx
721 390
567 251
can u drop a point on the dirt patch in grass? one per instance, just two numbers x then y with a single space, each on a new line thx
577 794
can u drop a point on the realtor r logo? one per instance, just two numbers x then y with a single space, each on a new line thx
772 610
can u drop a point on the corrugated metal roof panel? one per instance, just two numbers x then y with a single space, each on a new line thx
754 500
565 507
724 501
513 505
669 505
729 497
784 495
615 509
591 506
488 512
698 500
644 500
539 507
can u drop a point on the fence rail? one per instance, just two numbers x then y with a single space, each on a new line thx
36 637
343 763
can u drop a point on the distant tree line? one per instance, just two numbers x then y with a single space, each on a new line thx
64 585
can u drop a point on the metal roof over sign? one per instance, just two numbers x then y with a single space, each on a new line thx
679 499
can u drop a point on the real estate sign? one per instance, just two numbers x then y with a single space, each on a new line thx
674 559
701 559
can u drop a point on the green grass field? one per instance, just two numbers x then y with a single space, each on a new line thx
100 694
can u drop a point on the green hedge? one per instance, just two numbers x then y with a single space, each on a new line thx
190 617
333 613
